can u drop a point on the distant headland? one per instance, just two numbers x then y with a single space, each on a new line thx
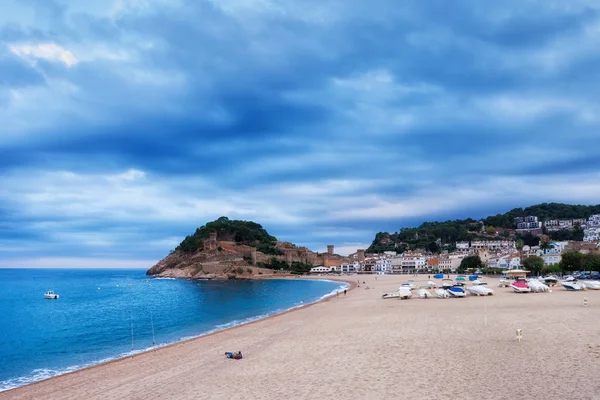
234 249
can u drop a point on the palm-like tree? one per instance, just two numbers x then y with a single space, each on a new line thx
519 245
545 245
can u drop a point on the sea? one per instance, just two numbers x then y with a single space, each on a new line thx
104 314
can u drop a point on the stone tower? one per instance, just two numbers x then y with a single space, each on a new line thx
288 256
361 255
212 238
330 249
253 255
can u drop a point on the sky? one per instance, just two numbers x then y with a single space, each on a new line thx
127 124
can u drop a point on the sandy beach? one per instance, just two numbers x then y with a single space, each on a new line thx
358 346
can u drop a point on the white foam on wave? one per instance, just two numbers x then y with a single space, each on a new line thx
164 278
45 373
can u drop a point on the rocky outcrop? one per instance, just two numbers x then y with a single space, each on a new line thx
228 260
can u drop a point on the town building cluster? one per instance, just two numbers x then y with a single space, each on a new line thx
502 254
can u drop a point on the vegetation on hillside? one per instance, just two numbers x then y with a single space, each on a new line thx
544 211
296 268
436 236
242 232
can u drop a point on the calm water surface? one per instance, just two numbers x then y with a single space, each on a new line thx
98 309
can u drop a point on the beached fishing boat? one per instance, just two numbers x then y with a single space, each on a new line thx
392 295
424 293
505 281
572 285
404 293
441 294
447 283
479 290
537 286
520 286
594 285
550 280
51 295
456 291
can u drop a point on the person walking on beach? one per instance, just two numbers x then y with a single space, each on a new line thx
344 292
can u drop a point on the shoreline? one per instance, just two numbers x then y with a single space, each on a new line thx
367 347
167 346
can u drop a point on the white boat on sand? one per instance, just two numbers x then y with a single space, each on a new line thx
424 293
441 294
537 286
479 290
572 285
594 285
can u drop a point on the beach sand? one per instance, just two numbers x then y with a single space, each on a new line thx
359 346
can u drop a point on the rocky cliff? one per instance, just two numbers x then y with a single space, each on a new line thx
234 249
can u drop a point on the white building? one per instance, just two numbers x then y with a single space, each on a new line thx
320 270
408 263
492 245
594 220
348 268
591 234
550 259
383 266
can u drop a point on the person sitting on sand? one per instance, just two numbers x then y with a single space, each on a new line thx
236 355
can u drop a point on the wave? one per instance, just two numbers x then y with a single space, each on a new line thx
46 373
164 278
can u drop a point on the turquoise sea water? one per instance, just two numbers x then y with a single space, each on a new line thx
93 319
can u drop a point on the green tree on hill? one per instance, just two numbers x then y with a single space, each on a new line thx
470 262
572 261
535 264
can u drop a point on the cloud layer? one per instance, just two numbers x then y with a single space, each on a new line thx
128 123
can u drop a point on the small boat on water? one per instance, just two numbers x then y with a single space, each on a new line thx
424 293
520 286
51 295
594 285
537 286
480 290
572 285
456 291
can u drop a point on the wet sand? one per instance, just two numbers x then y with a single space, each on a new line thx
359 346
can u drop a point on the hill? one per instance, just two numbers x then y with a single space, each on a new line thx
435 236
227 248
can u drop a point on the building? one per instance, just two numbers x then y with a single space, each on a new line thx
550 259
594 220
450 261
491 245
551 223
349 268
591 234
408 264
320 270
383 266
